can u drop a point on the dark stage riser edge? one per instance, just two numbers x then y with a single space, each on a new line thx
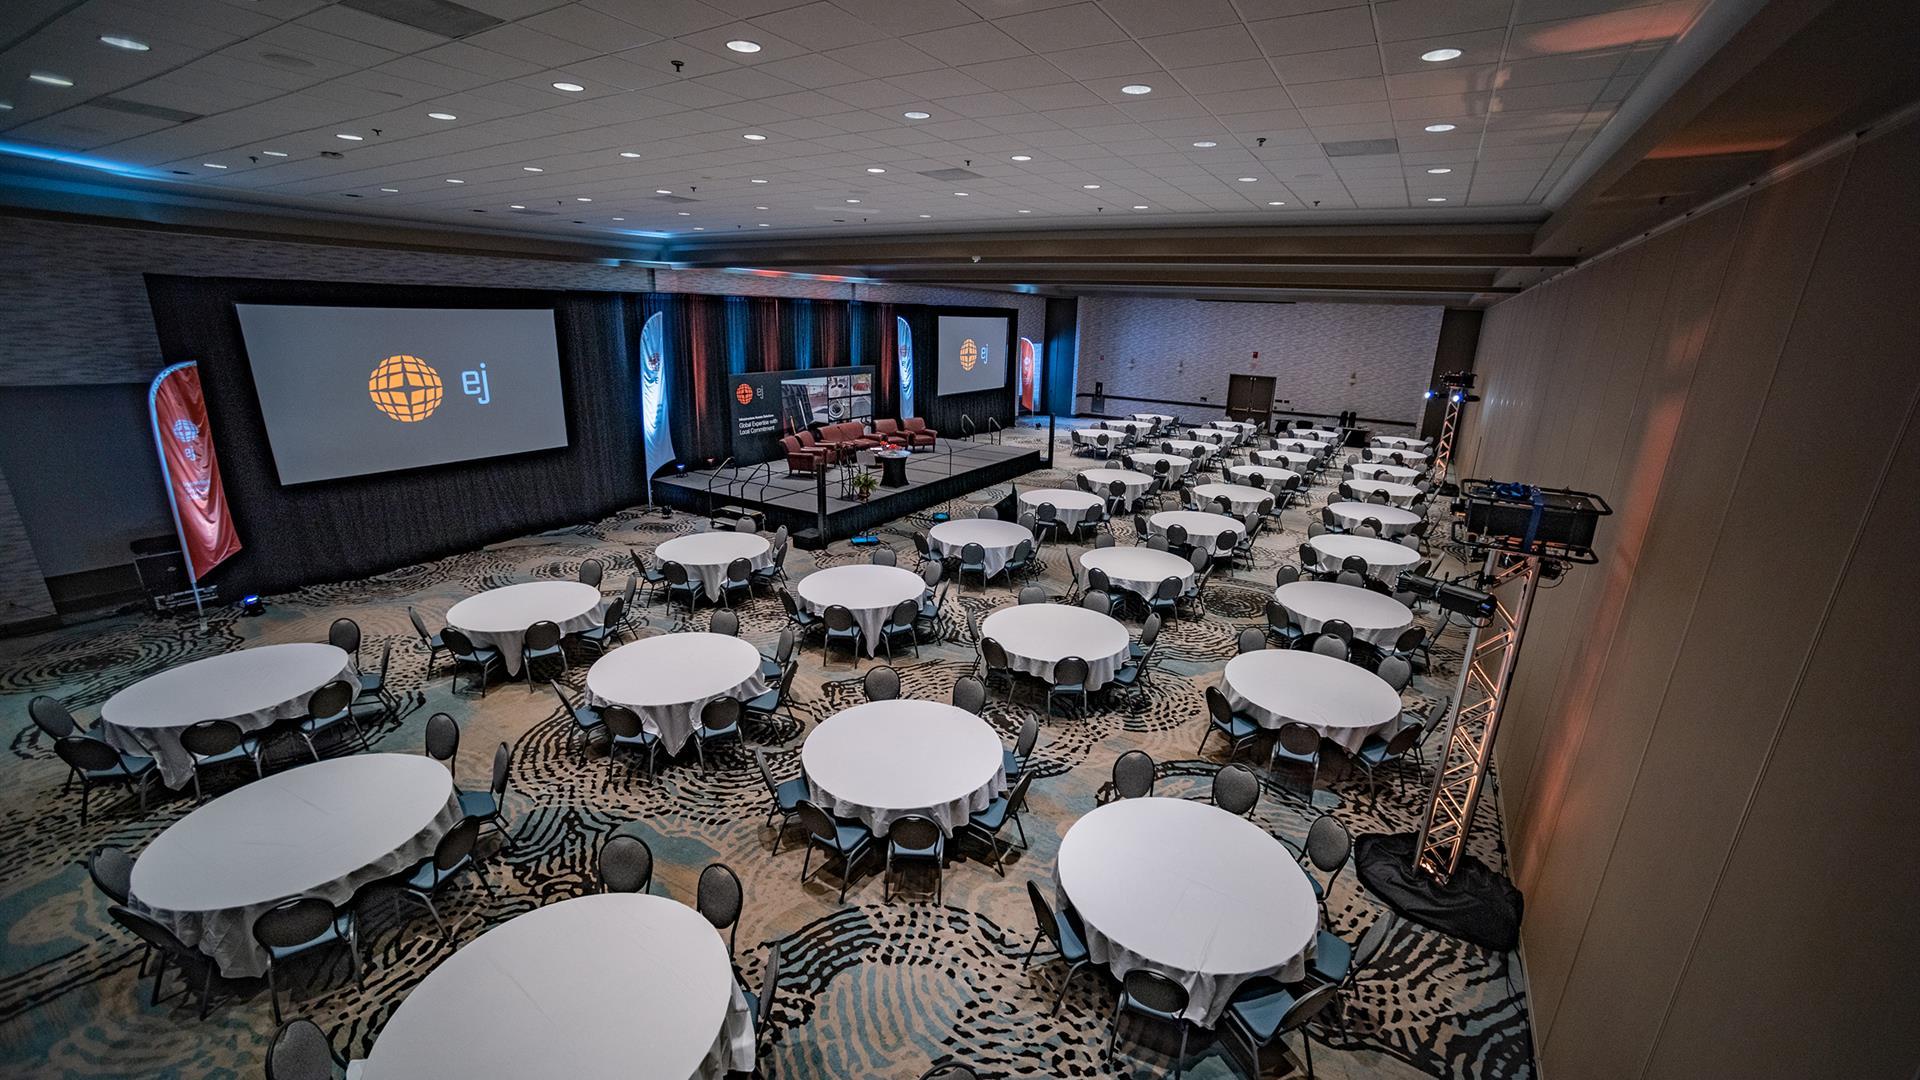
688 492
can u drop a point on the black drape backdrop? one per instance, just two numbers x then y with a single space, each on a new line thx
352 527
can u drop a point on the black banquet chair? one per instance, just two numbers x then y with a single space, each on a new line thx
1062 931
300 1051
1133 775
1150 994
100 765
477 659
718 896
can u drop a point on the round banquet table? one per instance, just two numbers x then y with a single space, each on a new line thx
324 829
1187 889
1203 528
669 678
1377 455
1293 460
1393 519
1397 494
1397 442
1148 462
1131 427
1214 436
1344 702
612 986
1241 426
1072 505
500 617
870 592
1375 618
706 555
1038 636
1134 482
1385 559
998 538
1324 434
1260 475
1139 570
1093 437
1153 418
1188 446
881 761
251 687
1373 470
1305 446
1245 499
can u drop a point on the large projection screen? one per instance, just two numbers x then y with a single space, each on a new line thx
347 391
972 353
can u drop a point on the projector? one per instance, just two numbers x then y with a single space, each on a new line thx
1527 519
1451 596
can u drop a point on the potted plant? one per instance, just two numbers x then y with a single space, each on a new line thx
863 483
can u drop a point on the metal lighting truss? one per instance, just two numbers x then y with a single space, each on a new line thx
1449 428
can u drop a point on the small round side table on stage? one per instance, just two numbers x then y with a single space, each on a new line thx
893 467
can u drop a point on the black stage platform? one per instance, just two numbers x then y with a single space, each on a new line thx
953 468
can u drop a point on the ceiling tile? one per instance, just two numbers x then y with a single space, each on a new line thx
1338 92
1337 29
819 25
974 43
1400 20
1217 78
1196 48
1353 63
1098 62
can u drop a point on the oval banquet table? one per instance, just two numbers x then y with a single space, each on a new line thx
1139 570
1398 494
1038 636
706 555
1395 520
1344 702
614 986
500 617
251 687
1148 462
1374 470
1134 484
1385 558
1187 889
883 760
1069 505
1375 618
1244 500
870 592
669 678
996 538
1204 527
324 829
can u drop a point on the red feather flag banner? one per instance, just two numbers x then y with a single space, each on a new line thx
185 443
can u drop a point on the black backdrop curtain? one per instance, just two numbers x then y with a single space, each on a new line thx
336 529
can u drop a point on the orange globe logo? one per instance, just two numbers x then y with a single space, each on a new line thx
406 388
969 355
743 394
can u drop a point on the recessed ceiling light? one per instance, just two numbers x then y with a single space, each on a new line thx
531 168
1023 211
699 228
754 138
764 225
686 213
1435 198
1139 208
926 215
1136 89
127 43
450 180
1277 202
1437 55
1206 144
1439 127
742 45
1247 179
876 171
515 206
1090 187
1022 157
571 88
212 165
391 190
48 78
6 106
759 208
628 154
619 219
758 181
662 191
962 194
853 200
350 138
916 115
274 153
1439 172
581 198
441 116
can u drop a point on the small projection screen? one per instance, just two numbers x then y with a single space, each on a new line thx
973 353
347 391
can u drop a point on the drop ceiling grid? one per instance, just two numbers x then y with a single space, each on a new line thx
828 88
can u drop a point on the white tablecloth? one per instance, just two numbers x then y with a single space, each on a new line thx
1385 559
1259 475
1214 436
1293 460
1375 618
611 986
1302 444
1146 461
870 592
1138 570
1188 446
706 555
1038 636
1241 426
1135 483
500 617
251 687
1245 499
1397 442
1397 494
998 538
1203 527
1153 418
1131 427
1314 431
1187 889
324 829
1393 519
883 760
669 678
1386 454
1365 470
1093 437
1343 702
1072 505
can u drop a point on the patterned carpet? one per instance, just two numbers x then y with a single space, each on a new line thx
867 989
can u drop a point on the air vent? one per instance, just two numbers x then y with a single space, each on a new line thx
141 108
952 174
434 16
672 199
1359 147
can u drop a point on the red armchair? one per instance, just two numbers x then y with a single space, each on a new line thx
890 431
917 430
803 458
